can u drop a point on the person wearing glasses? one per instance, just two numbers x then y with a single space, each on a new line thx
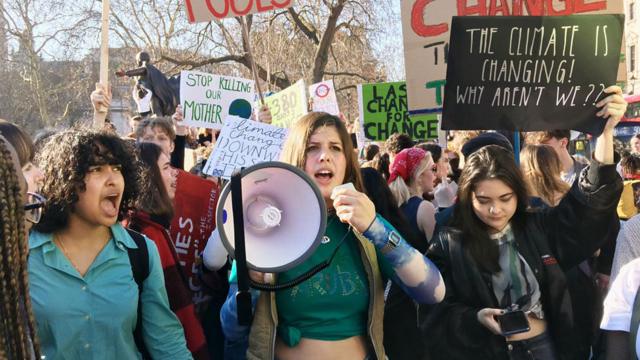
410 176
17 328
84 296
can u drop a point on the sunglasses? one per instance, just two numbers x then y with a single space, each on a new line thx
33 208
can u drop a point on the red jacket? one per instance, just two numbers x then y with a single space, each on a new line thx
178 291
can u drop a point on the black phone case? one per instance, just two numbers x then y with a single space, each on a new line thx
513 331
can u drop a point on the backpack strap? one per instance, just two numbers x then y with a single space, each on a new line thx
139 259
633 327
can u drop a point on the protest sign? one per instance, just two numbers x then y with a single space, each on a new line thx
194 220
288 105
207 10
530 73
425 29
243 143
207 99
324 99
384 111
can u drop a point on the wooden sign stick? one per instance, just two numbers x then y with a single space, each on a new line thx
245 35
98 121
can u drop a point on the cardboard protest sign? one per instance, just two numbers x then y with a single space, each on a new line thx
207 99
207 10
530 73
194 220
323 96
426 26
243 143
288 105
384 111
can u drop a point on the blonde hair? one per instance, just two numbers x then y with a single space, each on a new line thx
541 168
400 188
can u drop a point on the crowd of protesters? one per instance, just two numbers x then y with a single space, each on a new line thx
433 248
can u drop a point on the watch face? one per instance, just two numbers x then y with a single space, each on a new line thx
394 238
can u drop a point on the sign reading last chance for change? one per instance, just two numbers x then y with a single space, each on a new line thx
530 73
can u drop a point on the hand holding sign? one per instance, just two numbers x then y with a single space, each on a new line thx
612 107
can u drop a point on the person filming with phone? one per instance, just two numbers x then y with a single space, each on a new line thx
504 264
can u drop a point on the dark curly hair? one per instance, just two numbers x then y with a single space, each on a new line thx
66 159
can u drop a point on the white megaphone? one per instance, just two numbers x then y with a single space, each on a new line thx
284 216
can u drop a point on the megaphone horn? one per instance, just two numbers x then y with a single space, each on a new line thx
284 216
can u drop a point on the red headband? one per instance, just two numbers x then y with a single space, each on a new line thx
405 163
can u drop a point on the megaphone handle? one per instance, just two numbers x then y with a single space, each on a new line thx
243 297
245 313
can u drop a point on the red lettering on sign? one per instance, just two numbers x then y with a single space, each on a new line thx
579 6
417 21
494 9
535 7
215 12
284 4
261 7
190 12
465 10
568 8
243 12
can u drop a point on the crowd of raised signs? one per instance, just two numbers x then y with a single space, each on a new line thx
437 251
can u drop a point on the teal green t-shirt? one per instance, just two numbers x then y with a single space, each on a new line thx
333 304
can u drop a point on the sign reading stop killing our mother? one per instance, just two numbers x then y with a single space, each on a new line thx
530 73
384 111
243 143
208 99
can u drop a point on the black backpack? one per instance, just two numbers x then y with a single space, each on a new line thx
139 259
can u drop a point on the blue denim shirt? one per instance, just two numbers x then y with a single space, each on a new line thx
94 316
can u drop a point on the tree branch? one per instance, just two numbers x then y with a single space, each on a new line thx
312 34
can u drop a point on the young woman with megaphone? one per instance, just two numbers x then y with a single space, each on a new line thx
337 313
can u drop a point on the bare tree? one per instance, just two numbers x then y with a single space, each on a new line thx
54 30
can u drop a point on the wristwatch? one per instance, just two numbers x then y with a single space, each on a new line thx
392 242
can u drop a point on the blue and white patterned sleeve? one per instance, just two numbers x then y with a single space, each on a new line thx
412 271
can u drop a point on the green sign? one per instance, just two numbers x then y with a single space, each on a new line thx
384 111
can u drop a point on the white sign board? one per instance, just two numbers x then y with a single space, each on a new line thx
323 96
243 143
207 10
208 99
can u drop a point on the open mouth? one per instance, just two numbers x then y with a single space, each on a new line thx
110 204
324 176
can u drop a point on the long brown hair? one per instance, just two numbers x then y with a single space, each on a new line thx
18 330
19 140
491 162
541 167
294 151
153 198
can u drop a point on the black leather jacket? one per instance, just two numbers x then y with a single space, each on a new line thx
551 241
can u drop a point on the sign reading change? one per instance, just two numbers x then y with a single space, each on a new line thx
207 99
530 73
384 111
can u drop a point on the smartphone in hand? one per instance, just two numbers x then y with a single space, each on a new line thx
513 322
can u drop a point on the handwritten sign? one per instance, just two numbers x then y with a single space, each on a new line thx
194 220
207 99
530 73
207 10
243 143
426 25
323 96
288 105
384 111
